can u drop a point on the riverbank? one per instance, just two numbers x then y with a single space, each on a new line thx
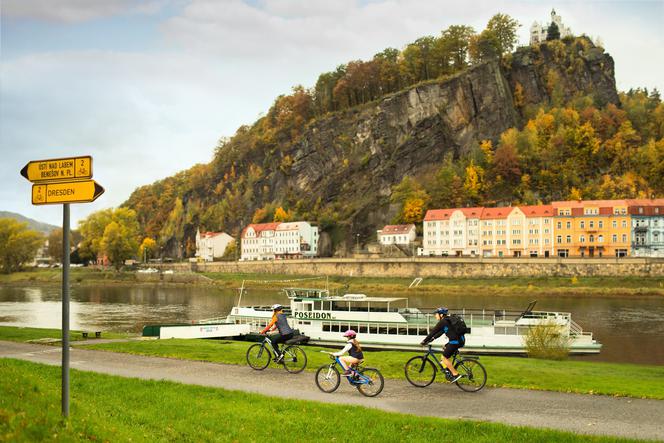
111 408
531 286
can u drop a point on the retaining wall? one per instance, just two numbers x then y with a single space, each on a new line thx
440 267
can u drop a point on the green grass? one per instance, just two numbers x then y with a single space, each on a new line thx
108 408
498 286
13 333
627 380
76 275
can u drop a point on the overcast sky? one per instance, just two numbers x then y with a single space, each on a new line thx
148 87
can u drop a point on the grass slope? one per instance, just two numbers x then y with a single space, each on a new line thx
108 408
13 333
628 380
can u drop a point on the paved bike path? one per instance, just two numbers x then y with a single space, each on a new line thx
587 414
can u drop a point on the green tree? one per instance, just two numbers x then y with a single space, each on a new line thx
503 27
118 244
483 47
55 244
455 40
18 244
553 33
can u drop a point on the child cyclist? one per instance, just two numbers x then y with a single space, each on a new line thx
355 354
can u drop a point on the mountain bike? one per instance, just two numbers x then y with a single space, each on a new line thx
292 357
421 371
369 381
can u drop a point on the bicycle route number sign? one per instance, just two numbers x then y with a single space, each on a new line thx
62 180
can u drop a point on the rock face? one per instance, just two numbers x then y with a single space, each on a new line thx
402 133
348 161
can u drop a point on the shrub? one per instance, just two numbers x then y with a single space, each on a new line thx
547 341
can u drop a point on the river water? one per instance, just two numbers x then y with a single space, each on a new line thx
630 328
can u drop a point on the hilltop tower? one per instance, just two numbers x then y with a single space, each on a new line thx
538 30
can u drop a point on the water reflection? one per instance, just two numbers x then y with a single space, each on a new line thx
631 328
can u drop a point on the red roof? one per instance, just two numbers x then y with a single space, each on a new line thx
260 227
445 214
438 214
584 203
493 213
537 210
397 229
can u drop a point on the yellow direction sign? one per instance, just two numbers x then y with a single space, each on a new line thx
58 169
67 192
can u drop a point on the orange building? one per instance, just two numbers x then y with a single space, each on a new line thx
591 228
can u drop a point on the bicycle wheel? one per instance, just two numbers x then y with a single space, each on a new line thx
328 378
294 360
371 382
474 375
420 371
258 357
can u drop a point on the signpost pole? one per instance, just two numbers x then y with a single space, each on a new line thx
65 310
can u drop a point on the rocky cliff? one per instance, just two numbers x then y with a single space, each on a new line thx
345 164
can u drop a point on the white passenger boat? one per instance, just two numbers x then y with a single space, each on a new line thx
388 322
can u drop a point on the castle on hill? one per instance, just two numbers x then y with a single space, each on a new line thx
538 30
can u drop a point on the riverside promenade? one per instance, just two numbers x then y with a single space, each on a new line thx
583 414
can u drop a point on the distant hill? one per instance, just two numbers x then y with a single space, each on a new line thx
32 224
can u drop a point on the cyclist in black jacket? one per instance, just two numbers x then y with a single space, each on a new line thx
444 326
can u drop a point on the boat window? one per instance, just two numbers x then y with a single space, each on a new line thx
392 330
344 327
335 328
318 306
359 307
373 329
326 327
382 329
305 322
340 306
402 330
412 331
362 329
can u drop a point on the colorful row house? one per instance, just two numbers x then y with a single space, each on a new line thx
586 228
647 227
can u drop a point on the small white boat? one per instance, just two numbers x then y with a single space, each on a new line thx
388 323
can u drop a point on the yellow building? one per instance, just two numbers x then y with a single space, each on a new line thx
538 231
591 228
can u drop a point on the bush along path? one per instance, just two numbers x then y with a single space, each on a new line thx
599 415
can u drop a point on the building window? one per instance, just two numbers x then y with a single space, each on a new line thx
569 239
600 224
614 238
560 225
559 239
591 238
624 223
569 225
591 224
624 238
582 225
582 239
600 239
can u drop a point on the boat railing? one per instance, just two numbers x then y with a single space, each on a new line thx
483 317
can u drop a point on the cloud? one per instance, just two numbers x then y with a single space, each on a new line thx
74 11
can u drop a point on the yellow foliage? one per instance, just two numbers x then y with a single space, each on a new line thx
413 210
280 215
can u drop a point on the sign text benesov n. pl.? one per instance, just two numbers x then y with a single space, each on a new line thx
313 315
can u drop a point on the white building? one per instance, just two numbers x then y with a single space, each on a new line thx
296 240
397 235
267 241
453 231
211 245
257 241
538 31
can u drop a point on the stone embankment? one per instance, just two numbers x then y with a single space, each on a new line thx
440 267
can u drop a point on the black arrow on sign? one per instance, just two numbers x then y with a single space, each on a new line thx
99 190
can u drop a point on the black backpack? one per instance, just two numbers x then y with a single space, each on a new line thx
458 325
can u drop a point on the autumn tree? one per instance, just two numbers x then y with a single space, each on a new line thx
147 249
96 241
483 47
18 244
280 215
473 184
413 210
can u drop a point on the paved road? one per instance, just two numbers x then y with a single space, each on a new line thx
587 414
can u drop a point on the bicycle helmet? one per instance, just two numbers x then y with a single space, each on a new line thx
277 307
441 311
350 333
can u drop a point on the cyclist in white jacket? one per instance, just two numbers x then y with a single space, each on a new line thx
355 354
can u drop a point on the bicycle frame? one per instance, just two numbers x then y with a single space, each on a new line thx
430 355
360 378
